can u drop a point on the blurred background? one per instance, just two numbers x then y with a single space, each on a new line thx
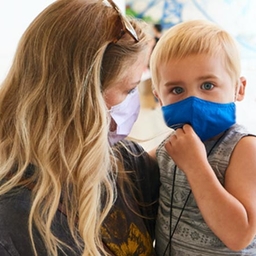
236 16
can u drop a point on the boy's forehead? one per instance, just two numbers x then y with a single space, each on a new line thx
195 67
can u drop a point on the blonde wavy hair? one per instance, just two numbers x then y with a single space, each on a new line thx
195 37
53 116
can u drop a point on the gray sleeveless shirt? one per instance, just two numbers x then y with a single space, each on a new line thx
192 236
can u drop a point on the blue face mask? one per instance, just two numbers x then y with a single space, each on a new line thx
207 118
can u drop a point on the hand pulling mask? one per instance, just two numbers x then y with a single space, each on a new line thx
124 114
207 118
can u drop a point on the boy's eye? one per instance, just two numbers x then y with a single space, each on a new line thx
177 90
207 86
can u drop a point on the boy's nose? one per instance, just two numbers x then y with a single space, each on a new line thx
193 93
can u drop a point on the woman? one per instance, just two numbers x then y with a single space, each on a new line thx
76 69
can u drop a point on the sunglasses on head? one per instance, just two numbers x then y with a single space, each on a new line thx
127 26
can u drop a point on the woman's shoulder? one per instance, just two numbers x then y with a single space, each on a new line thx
14 212
137 159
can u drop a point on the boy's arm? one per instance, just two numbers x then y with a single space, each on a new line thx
229 211
240 182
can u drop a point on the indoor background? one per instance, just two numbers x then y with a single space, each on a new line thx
236 16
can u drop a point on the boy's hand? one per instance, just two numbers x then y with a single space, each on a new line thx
186 149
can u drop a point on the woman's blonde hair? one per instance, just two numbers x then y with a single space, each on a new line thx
195 37
53 117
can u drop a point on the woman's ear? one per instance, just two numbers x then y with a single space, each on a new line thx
156 95
241 89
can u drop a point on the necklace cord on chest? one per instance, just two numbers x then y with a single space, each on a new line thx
171 232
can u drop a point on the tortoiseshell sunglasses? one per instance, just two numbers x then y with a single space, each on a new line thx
127 26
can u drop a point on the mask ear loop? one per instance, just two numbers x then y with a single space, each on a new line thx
236 91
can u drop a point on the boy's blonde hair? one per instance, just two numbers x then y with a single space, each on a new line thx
196 37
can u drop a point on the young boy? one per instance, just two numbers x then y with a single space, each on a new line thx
208 165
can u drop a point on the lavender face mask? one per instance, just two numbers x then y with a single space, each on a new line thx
124 114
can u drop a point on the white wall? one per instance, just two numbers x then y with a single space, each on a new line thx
15 16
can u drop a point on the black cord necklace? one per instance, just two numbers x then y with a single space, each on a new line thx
171 233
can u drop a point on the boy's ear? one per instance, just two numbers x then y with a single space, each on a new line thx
241 89
156 95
